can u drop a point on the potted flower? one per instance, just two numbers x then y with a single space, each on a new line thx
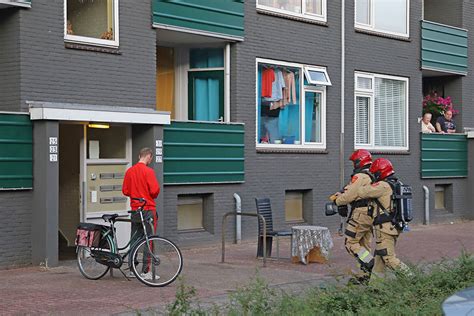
437 105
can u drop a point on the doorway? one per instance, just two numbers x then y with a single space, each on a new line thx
92 164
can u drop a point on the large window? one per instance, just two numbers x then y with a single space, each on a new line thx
290 109
386 16
309 9
91 21
381 112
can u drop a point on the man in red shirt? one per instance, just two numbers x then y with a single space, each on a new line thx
140 182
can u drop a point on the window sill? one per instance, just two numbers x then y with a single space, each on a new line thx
93 48
296 222
275 150
292 17
382 34
190 231
389 152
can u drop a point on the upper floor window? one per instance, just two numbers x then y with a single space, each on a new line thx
309 9
381 112
391 17
291 105
91 22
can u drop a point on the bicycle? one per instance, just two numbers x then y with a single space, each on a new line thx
155 261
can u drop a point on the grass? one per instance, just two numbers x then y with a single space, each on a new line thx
420 293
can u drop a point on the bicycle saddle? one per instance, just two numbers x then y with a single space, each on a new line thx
109 217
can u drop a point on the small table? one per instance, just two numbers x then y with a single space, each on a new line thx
310 244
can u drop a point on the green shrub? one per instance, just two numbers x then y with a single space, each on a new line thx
419 293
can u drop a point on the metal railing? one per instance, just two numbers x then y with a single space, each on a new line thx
224 220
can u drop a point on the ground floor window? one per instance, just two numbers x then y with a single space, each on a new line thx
381 112
190 213
291 104
294 206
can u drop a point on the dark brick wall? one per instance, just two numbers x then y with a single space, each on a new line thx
51 72
9 59
15 230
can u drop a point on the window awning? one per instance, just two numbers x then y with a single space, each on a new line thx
317 76
96 113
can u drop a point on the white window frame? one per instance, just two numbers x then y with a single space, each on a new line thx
303 89
371 25
90 40
317 69
371 94
304 14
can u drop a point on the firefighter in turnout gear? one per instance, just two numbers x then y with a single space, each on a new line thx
358 234
379 194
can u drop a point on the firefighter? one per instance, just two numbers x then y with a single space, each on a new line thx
379 194
358 233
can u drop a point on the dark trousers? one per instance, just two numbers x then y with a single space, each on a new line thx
137 233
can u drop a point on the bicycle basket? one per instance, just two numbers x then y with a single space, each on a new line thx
88 235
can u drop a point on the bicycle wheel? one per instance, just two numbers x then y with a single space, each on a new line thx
158 263
90 268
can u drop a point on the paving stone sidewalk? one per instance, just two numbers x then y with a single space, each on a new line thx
63 291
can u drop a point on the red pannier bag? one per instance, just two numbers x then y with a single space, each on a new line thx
88 235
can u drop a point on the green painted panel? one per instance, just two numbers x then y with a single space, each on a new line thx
222 17
444 48
16 151
443 155
199 152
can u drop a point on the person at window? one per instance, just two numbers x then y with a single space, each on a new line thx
426 126
446 124
140 182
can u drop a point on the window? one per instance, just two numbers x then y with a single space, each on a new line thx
309 9
291 111
294 206
381 112
190 213
91 22
443 197
206 84
390 17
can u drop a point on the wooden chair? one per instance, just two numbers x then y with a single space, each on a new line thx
264 208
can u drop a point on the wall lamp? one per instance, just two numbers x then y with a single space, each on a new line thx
98 125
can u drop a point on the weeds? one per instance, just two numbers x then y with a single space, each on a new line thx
420 293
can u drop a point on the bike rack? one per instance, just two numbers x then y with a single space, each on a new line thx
224 219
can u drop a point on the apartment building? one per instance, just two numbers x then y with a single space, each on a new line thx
238 100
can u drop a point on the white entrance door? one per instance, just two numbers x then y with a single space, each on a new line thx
105 156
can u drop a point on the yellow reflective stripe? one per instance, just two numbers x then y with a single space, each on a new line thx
364 255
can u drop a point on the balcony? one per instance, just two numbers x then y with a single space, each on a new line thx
220 19
200 152
444 155
443 48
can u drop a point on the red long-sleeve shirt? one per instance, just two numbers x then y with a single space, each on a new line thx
140 182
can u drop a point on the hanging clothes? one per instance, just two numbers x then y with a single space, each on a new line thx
268 76
289 93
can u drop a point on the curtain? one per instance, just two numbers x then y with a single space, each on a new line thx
390 113
289 119
308 120
362 120
207 99
207 58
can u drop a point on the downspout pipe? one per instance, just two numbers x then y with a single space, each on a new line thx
343 79
227 84
427 205
238 219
